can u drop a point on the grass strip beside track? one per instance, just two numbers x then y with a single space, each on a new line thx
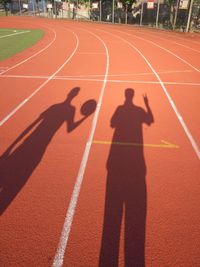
16 43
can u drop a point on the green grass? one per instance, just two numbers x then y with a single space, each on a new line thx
17 41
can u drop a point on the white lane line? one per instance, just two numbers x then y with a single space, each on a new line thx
165 49
90 53
132 74
128 81
195 50
42 85
34 55
183 124
16 33
175 36
169 40
93 75
59 257
25 76
76 78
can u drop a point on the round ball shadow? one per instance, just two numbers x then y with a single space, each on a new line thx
88 107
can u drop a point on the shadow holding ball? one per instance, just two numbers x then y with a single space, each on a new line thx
24 154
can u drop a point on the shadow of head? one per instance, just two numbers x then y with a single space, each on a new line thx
74 92
129 94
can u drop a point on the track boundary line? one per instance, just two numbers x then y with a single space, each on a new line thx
168 40
59 257
76 78
178 115
42 85
95 75
90 53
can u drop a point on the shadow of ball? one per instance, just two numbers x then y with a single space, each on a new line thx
88 107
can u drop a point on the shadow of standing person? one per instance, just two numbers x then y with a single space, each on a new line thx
126 187
20 159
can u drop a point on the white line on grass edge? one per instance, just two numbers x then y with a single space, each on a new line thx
16 33
59 257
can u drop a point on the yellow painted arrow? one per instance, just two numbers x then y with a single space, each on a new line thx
164 144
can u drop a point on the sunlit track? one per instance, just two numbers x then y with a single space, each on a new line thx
175 35
99 154
170 40
165 49
173 105
59 257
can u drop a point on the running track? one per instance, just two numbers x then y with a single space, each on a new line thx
81 190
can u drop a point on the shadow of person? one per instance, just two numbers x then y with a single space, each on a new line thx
126 189
21 158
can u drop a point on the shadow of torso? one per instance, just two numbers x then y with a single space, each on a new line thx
17 164
127 141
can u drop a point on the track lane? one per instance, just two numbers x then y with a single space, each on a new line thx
189 38
167 190
174 41
187 108
181 52
55 173
59 257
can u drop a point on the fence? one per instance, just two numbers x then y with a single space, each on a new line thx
183 15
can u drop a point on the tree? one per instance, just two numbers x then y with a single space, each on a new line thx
5 4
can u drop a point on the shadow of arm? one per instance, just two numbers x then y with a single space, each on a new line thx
149 119
71 125
115 118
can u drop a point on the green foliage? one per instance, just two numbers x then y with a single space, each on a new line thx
4 2
128 2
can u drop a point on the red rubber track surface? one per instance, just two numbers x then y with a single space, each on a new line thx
139 199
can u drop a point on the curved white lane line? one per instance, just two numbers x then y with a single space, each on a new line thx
34 55
59 257
42 85
183 124
165 49
169 40
165 33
